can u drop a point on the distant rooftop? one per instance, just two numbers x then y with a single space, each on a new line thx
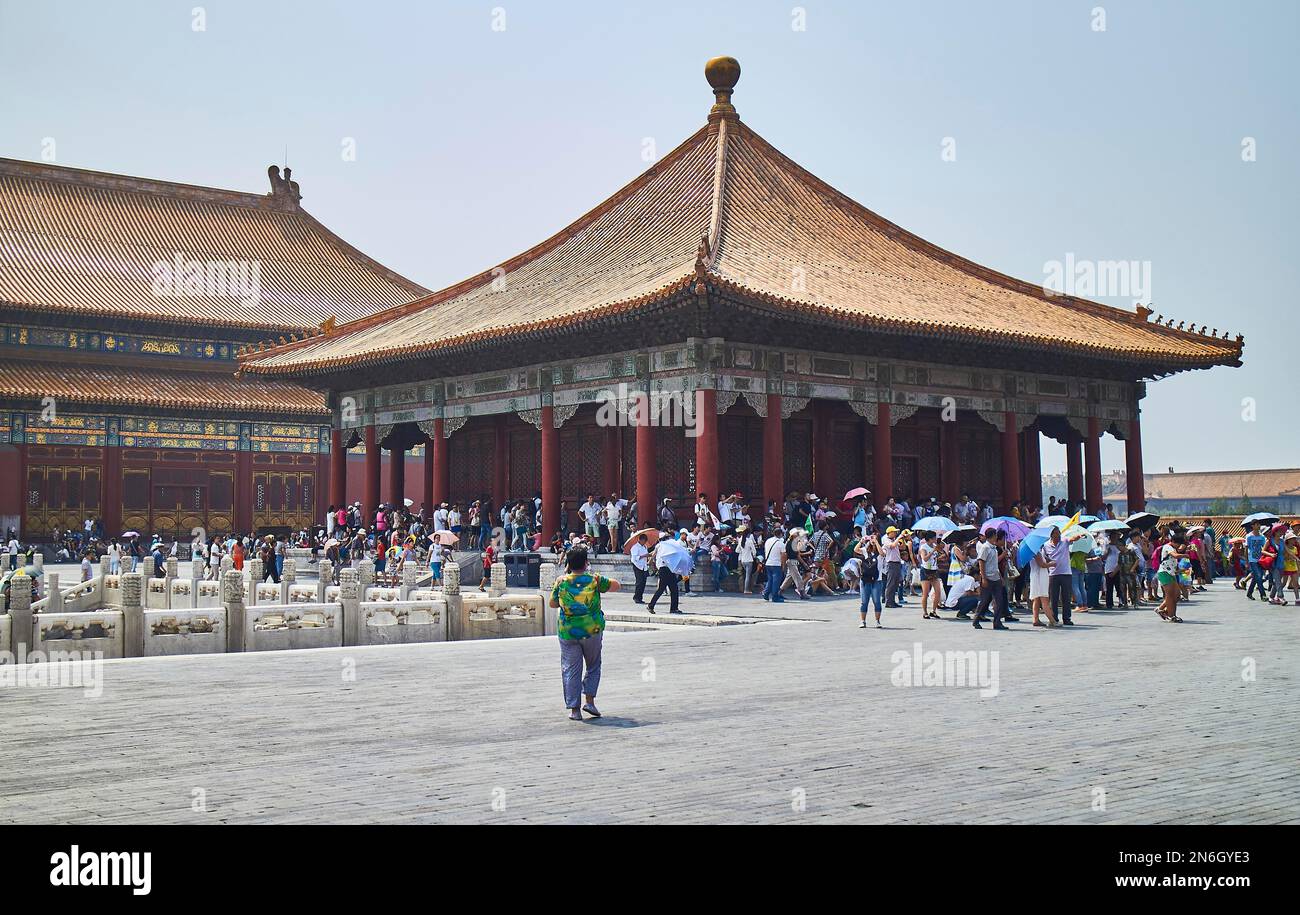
79 241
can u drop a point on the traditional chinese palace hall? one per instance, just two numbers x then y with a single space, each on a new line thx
822 346
118 395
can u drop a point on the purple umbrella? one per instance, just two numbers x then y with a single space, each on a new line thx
1014 528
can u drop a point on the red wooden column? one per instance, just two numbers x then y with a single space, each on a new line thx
338 469
243 508
706 443
647 484
550 475
611 446
1137 495
397 474
500 466
949 463
111 504
882 454
823 475
20 491
773 456
371 502
1092 463
439 467
1033 467
1074 469
427 485
1010 461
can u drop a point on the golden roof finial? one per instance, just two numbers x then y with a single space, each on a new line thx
722 73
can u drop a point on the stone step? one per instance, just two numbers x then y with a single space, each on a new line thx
678 619
616 626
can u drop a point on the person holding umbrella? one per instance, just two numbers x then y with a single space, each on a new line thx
672 559
928 561
992 588
640 565
1060 578
1255 542
581 626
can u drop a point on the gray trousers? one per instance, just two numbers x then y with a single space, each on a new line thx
573 653
893 576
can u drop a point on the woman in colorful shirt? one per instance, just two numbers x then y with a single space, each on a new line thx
581 627
1171 552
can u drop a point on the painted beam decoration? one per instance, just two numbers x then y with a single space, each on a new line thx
53 338
738 370
100 430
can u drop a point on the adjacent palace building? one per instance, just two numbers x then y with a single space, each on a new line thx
123 304
811 344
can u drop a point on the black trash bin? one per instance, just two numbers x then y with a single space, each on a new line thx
523 570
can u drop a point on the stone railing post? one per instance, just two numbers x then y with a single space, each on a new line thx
409 572
38 561
232 598
54 604
198 569
171 571
255 576
23 633
497 586
99 593
227 564
366 576
288 575
451 594
546 576
350 599
324 578
132 614
545 583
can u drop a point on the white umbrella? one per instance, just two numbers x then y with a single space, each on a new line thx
674 555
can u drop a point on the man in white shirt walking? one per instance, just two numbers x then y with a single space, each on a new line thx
774 565
640 567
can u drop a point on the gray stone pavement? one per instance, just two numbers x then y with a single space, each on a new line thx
763 723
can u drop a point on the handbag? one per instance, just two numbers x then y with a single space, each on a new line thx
1266 560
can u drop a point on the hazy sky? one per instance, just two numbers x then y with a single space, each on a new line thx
474 141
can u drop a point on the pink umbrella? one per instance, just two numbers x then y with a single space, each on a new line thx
855 492
446 538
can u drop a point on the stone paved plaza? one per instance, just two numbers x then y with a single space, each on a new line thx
762 722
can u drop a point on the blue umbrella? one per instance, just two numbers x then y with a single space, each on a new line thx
1032 543
935 523
1259 518
1107 526
1088 519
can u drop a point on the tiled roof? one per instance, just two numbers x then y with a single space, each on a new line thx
107 384
89 242
777 235
1222 484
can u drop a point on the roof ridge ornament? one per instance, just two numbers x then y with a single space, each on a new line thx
284 191
722 73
